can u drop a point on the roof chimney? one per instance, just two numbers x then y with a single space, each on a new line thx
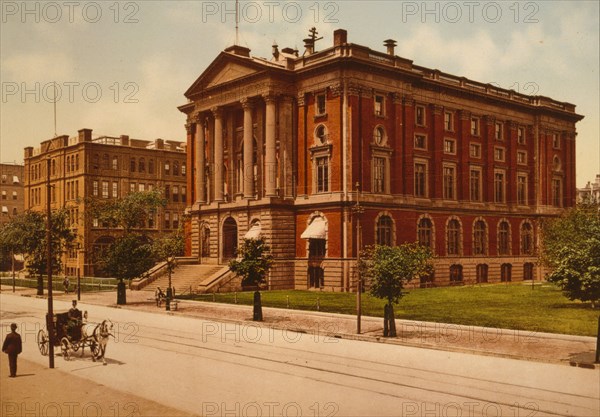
276 51
340 37
390 44
85 135
124 140
239 50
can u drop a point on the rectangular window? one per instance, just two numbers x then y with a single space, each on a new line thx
449 181
321 100
167 220
132 187
167 192
141 187
521 136
499 154
475 185
420 115
379 105
115 190
420 141
175 195
183 194
450 146
522 157
475 126
104 189
95 188
499 187
95 222
498 132
420 180
556 192
14 194
175 220
4 195
555 141
378 175
522 190
448 121
475 150
322 174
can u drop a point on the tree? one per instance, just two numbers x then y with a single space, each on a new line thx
253 265
165 249
388 268
130 214
571 248
26 234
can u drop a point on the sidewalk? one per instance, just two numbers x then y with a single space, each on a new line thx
516 344
40 391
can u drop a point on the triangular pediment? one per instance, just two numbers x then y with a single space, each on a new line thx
224 69
229 72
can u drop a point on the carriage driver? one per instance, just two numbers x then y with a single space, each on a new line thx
74 325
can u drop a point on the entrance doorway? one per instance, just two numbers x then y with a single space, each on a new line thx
230 238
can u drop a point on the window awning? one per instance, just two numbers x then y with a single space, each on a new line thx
4 209
19 257
253 232
15 179
315 230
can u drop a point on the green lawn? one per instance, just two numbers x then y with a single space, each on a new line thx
87 284
515 306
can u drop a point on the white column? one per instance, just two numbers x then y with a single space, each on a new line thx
248 170
199 147
218 168
270 169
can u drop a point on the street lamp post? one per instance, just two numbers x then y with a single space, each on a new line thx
358 210
50 317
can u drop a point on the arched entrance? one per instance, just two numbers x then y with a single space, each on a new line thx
230 237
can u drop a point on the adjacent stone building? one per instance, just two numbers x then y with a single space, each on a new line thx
11 191
591 191
285 147
104 167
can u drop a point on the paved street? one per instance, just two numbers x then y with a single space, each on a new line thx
208 368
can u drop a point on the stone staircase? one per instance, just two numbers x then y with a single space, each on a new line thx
187 276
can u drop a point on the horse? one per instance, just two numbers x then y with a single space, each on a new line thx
96 337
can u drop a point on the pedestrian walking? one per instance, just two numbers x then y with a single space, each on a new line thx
12 346
66 284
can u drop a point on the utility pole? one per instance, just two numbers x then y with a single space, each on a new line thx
50 316
358 210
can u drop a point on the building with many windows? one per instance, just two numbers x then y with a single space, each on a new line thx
11 191
104 167
285 147
591 191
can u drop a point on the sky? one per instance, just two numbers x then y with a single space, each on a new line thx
122 67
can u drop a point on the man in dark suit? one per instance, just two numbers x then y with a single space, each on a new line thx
12 346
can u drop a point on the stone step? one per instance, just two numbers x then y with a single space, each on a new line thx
184 277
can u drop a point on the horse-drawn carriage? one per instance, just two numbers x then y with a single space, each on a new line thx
72 332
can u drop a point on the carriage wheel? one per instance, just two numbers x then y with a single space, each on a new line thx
65 346
42 341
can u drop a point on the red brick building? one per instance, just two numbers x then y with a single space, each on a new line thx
464 167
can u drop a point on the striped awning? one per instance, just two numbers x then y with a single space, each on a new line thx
253 232
315 230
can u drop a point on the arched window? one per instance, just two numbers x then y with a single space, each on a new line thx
132 165
526 239
503 238
453 237
384 231
479 238
528 271
425 232
506 272
482 272
456 274
176 168
142 165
